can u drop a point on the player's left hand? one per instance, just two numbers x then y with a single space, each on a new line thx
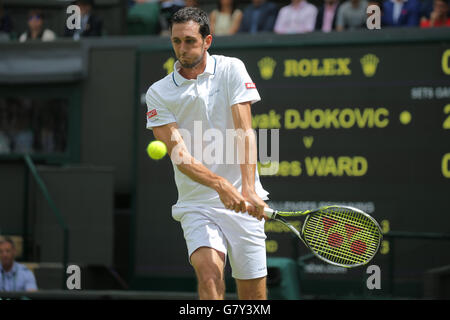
255 205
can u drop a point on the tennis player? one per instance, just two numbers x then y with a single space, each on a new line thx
212 92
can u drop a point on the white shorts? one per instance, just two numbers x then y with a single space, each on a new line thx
239 235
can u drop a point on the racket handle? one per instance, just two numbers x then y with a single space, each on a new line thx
269 212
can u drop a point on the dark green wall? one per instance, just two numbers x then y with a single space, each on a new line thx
107 105
11 199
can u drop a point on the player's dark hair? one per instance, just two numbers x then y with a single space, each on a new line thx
192 14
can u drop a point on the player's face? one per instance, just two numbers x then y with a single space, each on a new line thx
188 44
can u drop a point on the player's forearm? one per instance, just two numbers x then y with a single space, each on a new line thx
248 178
197 172
182 158
246 142
248 166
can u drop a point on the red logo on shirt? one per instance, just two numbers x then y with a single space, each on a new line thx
250 85
151 113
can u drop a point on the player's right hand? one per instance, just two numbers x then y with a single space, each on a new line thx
255 205
231 198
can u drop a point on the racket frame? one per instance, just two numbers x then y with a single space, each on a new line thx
276 215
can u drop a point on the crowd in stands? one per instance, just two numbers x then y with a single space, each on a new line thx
228 18
33 125
301 16
90 24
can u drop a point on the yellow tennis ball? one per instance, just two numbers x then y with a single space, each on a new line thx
156 150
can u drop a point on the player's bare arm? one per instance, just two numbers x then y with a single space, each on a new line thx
242 119
194 169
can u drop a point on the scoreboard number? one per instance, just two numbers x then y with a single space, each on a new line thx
446 124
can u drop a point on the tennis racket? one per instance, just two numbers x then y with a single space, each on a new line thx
339 235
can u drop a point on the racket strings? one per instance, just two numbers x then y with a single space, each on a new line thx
342 236
336 246
347 227
343 255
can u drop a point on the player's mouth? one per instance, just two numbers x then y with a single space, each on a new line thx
189 62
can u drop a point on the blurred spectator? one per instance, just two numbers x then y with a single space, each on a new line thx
14 276
298 17
91 25
5 24
226 19
259 16
326 16
351 15
191 3
36 29
439 16
144 19
20 121
23 137
168 9
133 2
426 8
401 13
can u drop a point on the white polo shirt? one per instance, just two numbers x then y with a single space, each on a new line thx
197 105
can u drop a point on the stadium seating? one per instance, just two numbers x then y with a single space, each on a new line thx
143 18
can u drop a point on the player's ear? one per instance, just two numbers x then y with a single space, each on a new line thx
208 41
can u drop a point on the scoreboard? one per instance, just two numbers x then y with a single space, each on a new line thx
363 124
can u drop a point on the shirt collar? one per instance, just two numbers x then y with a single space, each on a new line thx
210 68
13 269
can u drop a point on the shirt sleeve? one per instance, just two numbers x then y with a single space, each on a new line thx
280 22
414 15
30 281
311 19
340 17
241 87
270 20
157 113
